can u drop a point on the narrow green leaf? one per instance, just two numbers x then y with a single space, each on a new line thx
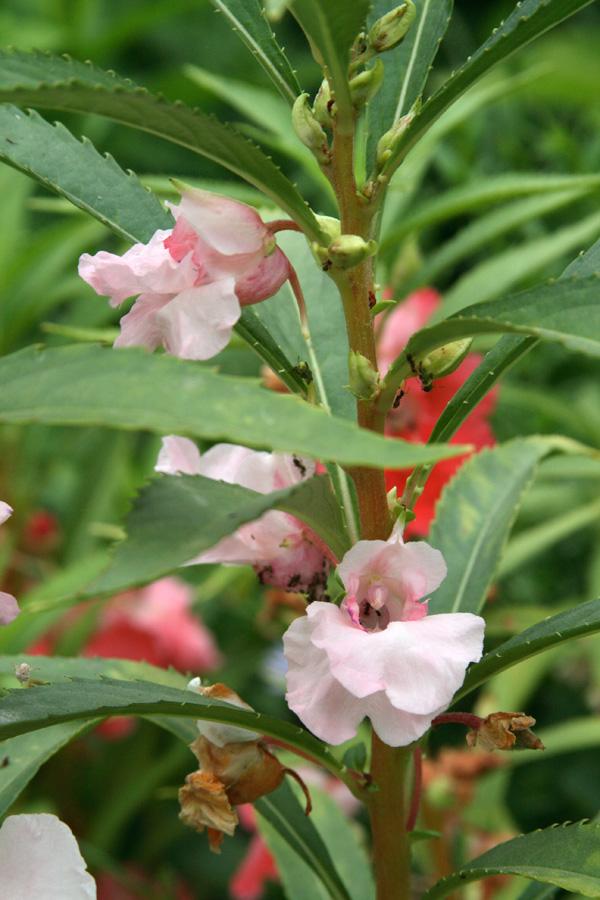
287 818
248 20
565 311
22 756
528 20
175 518
82 698
46 81
75 170
484 192
484 230
406 67
565 856
474 517
130 389
339 837
331 26
573 623
502 272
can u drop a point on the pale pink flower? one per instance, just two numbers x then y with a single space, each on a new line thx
379 655
191 281
282 550
39 858
9 609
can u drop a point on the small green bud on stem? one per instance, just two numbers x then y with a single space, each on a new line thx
392 28
364 378
440 362
348 250
323 106
365 85
390 140
309 130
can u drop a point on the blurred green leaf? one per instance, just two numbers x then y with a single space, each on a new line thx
23 711
288 840
528 20
248 20
331 27
175 518
46 81
565 856
406 66
130 389
474 516
24 754
290 826
573 623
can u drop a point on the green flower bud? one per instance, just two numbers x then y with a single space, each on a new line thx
322 107
392 28
308 129
365 85
363 376
441 362
390 140
331 227
348 250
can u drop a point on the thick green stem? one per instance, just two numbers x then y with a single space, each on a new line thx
388 807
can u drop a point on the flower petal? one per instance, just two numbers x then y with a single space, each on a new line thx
140 327
39 858
5 511
227 225
197 323
9 609
178 456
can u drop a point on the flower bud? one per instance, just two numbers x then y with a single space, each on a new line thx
348 250
392 28
390 140
322 107
309 130
363 376
365 85
505 731
442 362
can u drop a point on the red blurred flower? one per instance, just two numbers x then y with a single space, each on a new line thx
419 410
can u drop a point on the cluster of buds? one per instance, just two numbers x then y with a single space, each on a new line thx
311 123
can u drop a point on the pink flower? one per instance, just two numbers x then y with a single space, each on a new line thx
419 410
9 609
282 550
190 281
39 857
379 655
155 624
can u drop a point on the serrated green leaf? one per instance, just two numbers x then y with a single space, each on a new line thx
130 389
565 856
248 20
528 20
573 623
331 27
406 67
75 170
23 711
565 311
175 518
474 516
46 81
291 845
22 756
284 814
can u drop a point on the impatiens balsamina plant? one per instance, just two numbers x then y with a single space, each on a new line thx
387 630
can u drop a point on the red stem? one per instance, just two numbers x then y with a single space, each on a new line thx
462 718
282 225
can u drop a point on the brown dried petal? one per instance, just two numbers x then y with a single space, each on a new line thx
502 730
204 803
